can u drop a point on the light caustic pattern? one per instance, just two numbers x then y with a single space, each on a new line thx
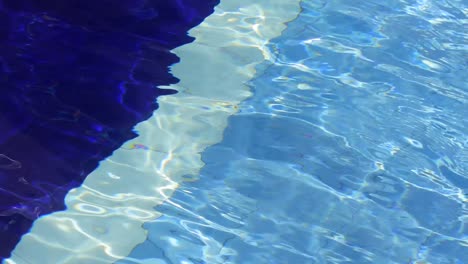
104 217
352 148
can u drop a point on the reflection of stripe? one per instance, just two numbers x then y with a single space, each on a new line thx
104 217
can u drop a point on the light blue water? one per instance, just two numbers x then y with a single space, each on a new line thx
353 148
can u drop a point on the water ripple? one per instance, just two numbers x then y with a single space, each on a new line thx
352 148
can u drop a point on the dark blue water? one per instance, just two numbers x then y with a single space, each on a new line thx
75 77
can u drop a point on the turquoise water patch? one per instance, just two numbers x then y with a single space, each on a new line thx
352 148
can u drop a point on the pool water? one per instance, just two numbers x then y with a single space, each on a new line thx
75 78
302 132
352 148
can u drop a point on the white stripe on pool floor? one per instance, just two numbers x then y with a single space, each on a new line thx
104 217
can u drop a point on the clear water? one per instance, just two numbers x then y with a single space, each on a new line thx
352 149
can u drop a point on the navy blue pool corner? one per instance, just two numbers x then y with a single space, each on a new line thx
75 77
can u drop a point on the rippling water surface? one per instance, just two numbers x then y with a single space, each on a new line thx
352 149
75 78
